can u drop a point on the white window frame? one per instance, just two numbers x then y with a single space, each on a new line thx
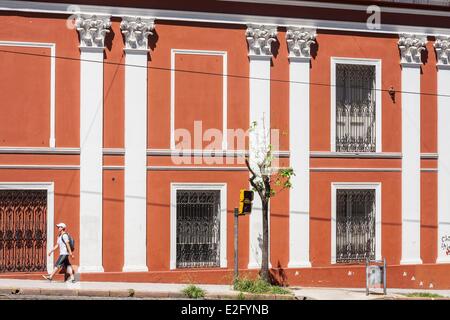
52 47
50 187
224 56
378 100
174 187
356 185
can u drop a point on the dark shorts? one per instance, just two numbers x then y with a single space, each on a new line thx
63 261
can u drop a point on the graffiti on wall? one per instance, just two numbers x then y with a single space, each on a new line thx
445 244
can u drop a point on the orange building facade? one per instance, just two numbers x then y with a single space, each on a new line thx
96 101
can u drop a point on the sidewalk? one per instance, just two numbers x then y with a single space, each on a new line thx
359 294
164 290
120 289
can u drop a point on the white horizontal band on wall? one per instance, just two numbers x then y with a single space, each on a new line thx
38 150
356 169
39 167
195 153
196 168
193 168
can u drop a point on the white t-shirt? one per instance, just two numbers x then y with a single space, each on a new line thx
62 244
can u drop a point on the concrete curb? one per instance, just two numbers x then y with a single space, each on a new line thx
125 293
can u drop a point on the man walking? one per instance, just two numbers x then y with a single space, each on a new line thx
64 252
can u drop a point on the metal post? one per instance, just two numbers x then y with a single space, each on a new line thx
236 227
384 276
367 277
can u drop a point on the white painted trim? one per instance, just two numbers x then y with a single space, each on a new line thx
201 153
174 187
378 217
39 167
91 160
216 153
113 151
340 6
193 168
135 175
443 179
155 152
370 155
375 155
52 47
429 156
113 167
367 169
259 111
38 150
378 100
196 168
173 15
411 163
299 144
50 187
224 56
331 169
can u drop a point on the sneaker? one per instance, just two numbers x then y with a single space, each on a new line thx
47 277
72 279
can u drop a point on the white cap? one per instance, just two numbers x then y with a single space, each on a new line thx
61 224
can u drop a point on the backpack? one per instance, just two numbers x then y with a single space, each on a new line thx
71 242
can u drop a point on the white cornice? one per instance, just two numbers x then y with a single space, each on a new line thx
341 6
173 15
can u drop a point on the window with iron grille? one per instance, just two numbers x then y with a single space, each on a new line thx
355 225
355 108
23 230
198 228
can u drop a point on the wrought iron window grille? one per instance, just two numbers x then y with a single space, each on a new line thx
355 108
198 228
23 230
355 225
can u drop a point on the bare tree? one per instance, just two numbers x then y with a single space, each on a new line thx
267 180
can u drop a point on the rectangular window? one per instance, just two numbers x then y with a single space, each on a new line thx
355 108
23 230
355 225
198 228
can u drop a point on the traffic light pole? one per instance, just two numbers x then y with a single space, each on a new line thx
236 229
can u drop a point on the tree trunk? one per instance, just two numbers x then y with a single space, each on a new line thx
265 248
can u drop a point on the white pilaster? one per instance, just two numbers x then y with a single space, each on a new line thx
259 38
92 30
136 31
299 41
410 48
442 46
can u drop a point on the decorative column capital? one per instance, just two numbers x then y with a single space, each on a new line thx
259 39
299 41
92 30
136 31
442 47
411 46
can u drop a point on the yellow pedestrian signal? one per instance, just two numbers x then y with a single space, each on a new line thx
245 202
